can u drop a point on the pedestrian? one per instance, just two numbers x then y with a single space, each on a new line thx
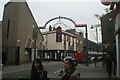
103 60
69 72
95 61
109 66
114 66
63 57
37 71
48 58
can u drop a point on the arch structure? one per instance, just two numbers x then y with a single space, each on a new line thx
55 19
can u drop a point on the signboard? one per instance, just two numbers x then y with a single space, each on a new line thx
81 25
26 53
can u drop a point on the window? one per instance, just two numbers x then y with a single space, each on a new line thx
73 41
8 25
58 37
68 38
64 38
77 40
80 42
33 25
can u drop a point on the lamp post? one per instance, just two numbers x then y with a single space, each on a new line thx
34 38
87 56
86 42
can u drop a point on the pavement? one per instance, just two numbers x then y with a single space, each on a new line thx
93 72
86 71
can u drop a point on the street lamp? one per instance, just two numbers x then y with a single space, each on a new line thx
34 38
86 41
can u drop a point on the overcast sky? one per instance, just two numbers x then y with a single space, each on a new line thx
80 11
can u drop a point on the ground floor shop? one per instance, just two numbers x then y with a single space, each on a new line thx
56 55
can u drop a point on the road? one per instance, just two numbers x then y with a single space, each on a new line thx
52 68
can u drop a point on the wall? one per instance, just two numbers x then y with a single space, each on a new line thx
0 42
20 29
117 25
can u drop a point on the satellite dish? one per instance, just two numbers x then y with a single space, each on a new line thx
106 2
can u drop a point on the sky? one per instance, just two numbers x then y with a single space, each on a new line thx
80 11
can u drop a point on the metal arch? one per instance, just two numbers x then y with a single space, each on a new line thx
59 18
60 23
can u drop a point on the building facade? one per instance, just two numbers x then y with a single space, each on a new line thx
61 43
80 40
0 42
111 27
19 30
108 29
117 36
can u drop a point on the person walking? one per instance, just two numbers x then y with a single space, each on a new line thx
109 66
69 72
37 71
103 60
95 61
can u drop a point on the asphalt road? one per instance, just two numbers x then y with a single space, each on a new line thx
52 69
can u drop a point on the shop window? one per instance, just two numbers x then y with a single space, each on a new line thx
8 25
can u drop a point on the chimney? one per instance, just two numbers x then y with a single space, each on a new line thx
80 33
50 28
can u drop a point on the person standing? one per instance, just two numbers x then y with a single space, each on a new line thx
109 66
114 66
48 58
37 71
69 72
63 57
95 61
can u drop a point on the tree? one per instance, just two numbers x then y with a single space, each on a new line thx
107 10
